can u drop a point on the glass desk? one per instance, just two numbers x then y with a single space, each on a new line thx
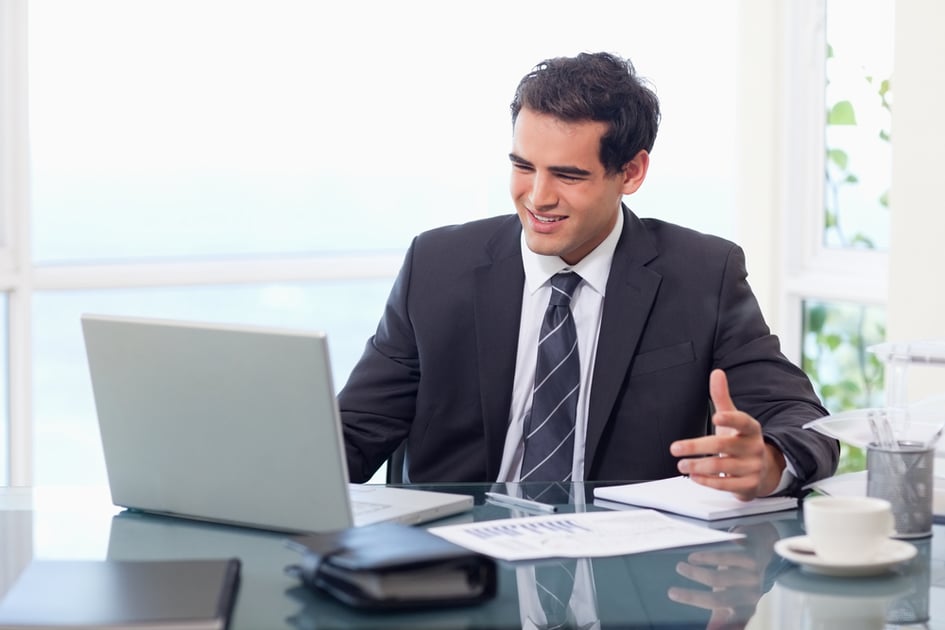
727 585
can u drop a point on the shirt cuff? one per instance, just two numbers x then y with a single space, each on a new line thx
788 475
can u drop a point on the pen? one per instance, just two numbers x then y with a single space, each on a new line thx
509 501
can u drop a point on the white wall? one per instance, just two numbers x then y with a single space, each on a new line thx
758 149
916 307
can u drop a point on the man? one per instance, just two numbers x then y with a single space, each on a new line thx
663 317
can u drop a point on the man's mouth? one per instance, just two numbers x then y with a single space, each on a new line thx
542 219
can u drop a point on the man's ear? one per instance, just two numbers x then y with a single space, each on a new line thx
634 172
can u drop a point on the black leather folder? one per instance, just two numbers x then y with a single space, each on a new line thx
389 565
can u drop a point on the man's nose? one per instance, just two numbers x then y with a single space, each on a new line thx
543 195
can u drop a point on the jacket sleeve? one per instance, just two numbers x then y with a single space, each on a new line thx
765 384
378 401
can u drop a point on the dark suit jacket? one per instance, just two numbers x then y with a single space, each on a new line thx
439 370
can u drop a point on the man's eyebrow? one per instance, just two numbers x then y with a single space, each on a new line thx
561 170
519 160
569 170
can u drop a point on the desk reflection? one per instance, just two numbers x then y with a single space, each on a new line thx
736 584
137 536
900 598
807 600
16 545
734 578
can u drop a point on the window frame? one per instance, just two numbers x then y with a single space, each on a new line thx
783 100
812 270
15 276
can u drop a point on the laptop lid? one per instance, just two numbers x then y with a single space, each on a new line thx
233 424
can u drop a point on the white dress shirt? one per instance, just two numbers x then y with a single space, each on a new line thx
587 306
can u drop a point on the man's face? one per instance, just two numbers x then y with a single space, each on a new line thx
564 198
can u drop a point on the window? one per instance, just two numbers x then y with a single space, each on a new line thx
837 265
813 270
859 99
249 162
837 336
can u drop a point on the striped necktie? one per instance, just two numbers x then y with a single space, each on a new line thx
549 424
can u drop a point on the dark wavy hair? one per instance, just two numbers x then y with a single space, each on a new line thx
600 87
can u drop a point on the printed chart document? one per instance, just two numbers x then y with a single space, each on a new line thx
580 535
682 495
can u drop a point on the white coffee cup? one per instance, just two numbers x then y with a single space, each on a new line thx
848 530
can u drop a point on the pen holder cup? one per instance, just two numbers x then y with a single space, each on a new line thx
903 475
912 608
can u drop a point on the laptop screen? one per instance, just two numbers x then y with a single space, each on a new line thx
220 422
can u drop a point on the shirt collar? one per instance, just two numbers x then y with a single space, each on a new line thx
593 268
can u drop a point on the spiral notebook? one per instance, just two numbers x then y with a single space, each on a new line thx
681 495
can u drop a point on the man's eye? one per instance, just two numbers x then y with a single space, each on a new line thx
525 168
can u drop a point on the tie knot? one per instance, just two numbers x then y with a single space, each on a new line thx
563 286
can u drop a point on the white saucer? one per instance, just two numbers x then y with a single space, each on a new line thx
893 552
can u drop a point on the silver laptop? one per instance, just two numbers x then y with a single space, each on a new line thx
232 424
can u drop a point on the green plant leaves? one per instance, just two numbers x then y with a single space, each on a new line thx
841 114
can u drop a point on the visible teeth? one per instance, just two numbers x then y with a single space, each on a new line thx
547 219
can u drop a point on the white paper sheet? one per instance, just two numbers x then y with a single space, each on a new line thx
580 535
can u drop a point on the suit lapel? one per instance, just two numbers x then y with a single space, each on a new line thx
498 312
631 291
